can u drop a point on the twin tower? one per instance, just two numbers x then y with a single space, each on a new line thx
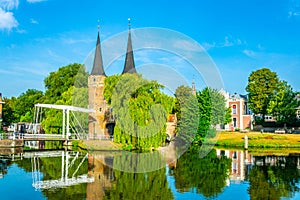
100 124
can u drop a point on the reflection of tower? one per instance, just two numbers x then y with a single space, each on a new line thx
96 99
103 176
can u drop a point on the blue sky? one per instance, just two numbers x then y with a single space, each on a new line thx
39 36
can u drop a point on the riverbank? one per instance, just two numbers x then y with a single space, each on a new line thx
97 145
255 140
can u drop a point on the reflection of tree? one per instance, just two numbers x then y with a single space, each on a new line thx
274 182
51 169
207 175
4 164
151 185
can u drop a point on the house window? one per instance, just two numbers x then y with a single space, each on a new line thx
234 109
246 112
234 122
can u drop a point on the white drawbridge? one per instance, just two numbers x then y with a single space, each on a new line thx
67 124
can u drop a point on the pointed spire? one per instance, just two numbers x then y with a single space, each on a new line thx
98 64
129 66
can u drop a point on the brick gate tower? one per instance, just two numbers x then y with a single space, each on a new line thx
99 121
96 99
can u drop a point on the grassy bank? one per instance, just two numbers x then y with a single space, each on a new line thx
256 140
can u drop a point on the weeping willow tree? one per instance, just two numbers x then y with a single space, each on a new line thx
141 110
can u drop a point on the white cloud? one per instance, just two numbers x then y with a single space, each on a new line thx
35 1
9 4
7 20
208 46
249 53
228 42
33 21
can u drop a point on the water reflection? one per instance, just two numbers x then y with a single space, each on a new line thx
241 163
269 177
78 175
206 175
274 177
115 184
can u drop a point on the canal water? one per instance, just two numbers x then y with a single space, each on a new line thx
222 174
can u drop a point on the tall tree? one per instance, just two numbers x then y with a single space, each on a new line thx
9 115
182 95
212 111
186 109
284 103
60 81
67 86
24 104
261 88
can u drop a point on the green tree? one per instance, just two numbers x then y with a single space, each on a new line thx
60 81
261 88
9 115
284 103
109 85
187 112
141 110
228 117
67 86
212 111
24 104
182 95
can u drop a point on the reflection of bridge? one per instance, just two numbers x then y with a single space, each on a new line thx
67 161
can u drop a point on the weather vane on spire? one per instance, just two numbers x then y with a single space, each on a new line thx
98 25
129 22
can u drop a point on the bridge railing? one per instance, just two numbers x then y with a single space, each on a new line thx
41 136
13 136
